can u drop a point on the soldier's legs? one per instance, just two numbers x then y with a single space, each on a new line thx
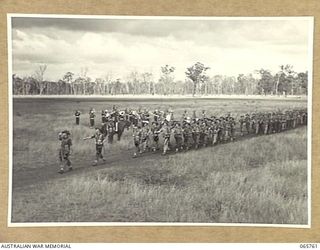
91 123
186 142
210 139
248 128
68 162
226 136
215 139
257 129
137 150
144 145
110 138
266 127
201 139
62 163
196 140
155 143
77 120
166 145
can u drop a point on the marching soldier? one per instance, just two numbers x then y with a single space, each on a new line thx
210 133
247 121
203 134
241 123
232 128
186 131
195 134
177 133
227 130
103 116
145 136
77 115
184 116
166 135
64 151
99 141
110 131
216 129
155 130
137 140
222 129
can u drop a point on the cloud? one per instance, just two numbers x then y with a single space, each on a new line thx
121 46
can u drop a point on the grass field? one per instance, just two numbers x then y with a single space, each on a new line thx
259 180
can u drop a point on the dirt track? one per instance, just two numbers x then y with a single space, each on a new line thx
26 177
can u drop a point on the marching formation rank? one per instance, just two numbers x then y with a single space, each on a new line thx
152 131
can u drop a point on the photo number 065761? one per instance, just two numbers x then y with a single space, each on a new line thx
128 120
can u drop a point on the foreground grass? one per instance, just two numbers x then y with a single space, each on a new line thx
261 180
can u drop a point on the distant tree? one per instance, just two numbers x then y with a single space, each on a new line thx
39 76
197 73
147 81
266 81
302 79
68 78
166 78
284 79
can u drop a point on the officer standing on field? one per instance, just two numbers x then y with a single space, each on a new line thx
92 114
77 115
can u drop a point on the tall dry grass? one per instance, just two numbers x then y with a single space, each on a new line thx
261 180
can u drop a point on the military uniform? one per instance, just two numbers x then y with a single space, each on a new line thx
91 117
195 134
216 129
64 151
99 141
203 134
77 115
145 137
166 134
103 116
177 133
137 140
241 123
247 121
110 131
186 131
155 130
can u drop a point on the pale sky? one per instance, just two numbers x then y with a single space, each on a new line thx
117 47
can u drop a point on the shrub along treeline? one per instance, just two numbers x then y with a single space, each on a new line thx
197 82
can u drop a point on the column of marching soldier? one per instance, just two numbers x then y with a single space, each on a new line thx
188 131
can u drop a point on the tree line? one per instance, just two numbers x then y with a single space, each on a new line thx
285 82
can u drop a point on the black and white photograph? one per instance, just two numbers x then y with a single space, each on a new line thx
146 120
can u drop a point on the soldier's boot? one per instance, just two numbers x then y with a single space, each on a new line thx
177 150
95 163
164 152
103 159
61 171
70 168
134 155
